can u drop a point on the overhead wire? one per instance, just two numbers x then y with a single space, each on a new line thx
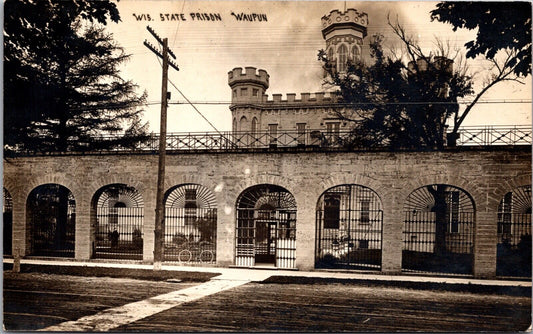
192 105
182 94
196 109
368 103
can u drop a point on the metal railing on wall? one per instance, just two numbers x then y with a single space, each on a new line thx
494 135
468 136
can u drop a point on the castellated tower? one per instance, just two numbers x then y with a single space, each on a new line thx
253 111
247 90
249 86
309 116
344 33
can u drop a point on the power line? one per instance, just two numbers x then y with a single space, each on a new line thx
178 25
360 103
194 107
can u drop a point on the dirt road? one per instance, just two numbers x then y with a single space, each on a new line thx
338 307
36 300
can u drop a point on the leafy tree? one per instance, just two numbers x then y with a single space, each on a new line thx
400 104
407 100
62 88
501 26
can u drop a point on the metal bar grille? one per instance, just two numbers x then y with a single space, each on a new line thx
8 223
438 234
52 212
119 233
266 236
245 243
349 228
190 235
514 234
266 227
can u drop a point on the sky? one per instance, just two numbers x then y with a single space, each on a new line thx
285 45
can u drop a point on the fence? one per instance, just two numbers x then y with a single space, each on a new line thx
494 135
119 233
514 245
266 236
421 252
349 228
52 236
319 139
190 235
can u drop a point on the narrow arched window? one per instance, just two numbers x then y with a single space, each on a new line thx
243 124
254 125
356 53
331 57
343 58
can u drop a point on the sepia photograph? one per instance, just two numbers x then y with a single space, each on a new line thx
267 166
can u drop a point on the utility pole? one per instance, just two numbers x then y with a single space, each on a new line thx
165 96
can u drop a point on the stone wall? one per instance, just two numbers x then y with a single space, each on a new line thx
485 174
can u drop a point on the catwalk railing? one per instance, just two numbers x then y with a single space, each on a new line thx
469 136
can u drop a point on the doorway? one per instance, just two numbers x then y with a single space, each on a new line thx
266 227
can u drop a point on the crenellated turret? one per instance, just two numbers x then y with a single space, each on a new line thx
344 33
248 86
350 19
252 110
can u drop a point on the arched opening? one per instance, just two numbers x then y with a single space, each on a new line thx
439 230
254 125
356 53
190 224
349 223
8 223
331 58
514 233
234 125
118 213
266 227
343 58
243 124
51 217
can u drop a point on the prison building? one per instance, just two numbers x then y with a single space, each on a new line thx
253 112
282 191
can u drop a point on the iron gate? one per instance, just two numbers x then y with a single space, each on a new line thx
349 222
52 214
190 225
266 227
438 230
190 235
119 224
514 234
8 223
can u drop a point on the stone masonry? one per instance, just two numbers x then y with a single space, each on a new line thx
485 174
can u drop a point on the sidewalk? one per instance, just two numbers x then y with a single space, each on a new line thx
260 274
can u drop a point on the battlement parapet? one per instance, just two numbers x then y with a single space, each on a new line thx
305 98
350 17
250 75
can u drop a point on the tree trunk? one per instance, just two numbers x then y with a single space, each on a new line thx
440 209
62 219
